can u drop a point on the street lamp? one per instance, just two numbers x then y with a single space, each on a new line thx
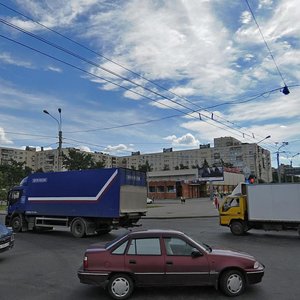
59 123
293 157
267 137
277 153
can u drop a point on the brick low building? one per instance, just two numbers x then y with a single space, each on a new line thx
186 183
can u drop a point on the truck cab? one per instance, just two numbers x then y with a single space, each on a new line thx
16 205
233 213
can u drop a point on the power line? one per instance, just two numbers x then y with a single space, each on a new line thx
30 134
94 52
267 46
115 74
129 89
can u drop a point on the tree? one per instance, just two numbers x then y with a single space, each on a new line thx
145 168
11 175
166 168
77 160
205 164
182 167
98 165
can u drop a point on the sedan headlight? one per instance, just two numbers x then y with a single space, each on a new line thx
258 265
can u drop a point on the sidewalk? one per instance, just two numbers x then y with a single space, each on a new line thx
192 208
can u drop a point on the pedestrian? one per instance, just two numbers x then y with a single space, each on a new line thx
216 202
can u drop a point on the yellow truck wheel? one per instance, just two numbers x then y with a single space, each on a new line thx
237 228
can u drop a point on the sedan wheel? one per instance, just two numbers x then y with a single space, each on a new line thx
120 286
232 283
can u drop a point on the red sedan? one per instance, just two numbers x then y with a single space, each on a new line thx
166 258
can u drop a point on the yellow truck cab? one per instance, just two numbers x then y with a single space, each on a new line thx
233 212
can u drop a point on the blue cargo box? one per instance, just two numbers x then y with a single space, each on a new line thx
98 193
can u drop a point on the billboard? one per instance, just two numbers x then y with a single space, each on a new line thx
211 174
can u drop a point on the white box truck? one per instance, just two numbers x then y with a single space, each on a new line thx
262 206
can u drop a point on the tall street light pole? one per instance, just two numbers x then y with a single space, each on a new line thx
293 157
59 123
278 165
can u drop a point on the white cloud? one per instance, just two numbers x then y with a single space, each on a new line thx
265 4
54 13
54 69
246 17
117 148
166 41
8 59
275 106
186 140
3 139
84 148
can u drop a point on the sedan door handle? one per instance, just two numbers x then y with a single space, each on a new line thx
169 263
131 261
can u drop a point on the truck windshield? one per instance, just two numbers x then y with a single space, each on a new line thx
231 202
14 196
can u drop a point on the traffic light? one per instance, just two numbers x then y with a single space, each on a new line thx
251 179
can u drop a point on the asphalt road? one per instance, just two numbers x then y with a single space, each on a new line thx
43 266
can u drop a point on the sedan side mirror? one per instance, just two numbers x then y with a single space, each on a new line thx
196 253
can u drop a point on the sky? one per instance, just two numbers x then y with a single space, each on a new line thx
143 75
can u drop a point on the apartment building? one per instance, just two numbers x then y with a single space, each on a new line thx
248 158
26 156
47 160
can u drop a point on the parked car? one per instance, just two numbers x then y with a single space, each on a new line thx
149 201
166 258
6 238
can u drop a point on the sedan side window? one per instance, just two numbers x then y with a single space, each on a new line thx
120 249
149 246
176 246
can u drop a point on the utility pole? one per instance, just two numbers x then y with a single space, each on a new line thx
59 123
278 164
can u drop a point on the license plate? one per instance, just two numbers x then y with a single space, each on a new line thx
4 245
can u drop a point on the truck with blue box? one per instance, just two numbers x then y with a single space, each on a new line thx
86 201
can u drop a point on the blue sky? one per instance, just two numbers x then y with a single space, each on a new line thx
193 56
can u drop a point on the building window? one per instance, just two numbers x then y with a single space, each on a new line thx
160 189
239 158
152 189
217 156
170 189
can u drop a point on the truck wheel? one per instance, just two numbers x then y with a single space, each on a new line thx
78 228
16 224
232 283
237 228
120 286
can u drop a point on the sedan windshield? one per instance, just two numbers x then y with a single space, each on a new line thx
203 246
114 241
